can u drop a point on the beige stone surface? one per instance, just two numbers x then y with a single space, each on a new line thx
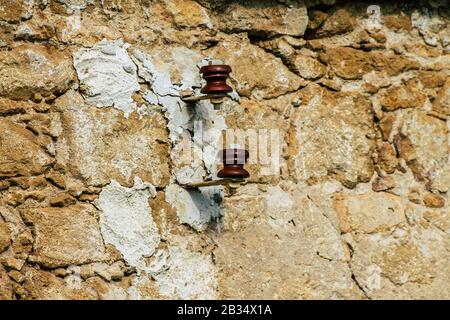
352 64
262 17
6 289
426 154
188 14
432 200
341 21
442 103
4 236
308 67
332 133
254 248
406 264
42 69
13 11
65 236
10 107
44 285
409 95
387 157
20 153
255 72
369 212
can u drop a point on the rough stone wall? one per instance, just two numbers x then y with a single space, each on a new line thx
92 128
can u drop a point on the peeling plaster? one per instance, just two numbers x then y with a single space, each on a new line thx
107 75
164 93
196 208
180 274
428 25
191 276
280 208
126 221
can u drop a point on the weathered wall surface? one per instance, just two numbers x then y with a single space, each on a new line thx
92 128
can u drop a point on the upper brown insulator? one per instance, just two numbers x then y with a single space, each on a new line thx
216 79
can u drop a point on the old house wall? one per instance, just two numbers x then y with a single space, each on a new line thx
93 133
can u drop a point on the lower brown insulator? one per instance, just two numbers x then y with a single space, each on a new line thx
233 164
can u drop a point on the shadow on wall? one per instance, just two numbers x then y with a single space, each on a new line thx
199 209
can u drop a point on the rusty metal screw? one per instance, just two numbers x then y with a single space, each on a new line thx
216 79
233 162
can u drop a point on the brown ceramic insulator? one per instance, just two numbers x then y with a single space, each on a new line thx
233 164
216 79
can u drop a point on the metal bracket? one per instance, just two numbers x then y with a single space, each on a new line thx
232 183
216 99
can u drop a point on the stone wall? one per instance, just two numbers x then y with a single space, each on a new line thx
92 202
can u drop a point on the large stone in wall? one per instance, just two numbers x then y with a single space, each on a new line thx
425 146
331 137
264 18
15 11
107 75
101 144
31 69
409 95
407 264
308 67
187 13
255 72
341 21
352 64
278 245
6 288
441 105
369 212
262 126
4 236
20 153
65 236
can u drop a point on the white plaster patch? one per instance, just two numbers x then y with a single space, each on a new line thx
428 24
280 208
187 174
108 77
165 93
159 262
196 208
191 276
126 221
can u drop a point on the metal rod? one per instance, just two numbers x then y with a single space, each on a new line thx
210 183
191 99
